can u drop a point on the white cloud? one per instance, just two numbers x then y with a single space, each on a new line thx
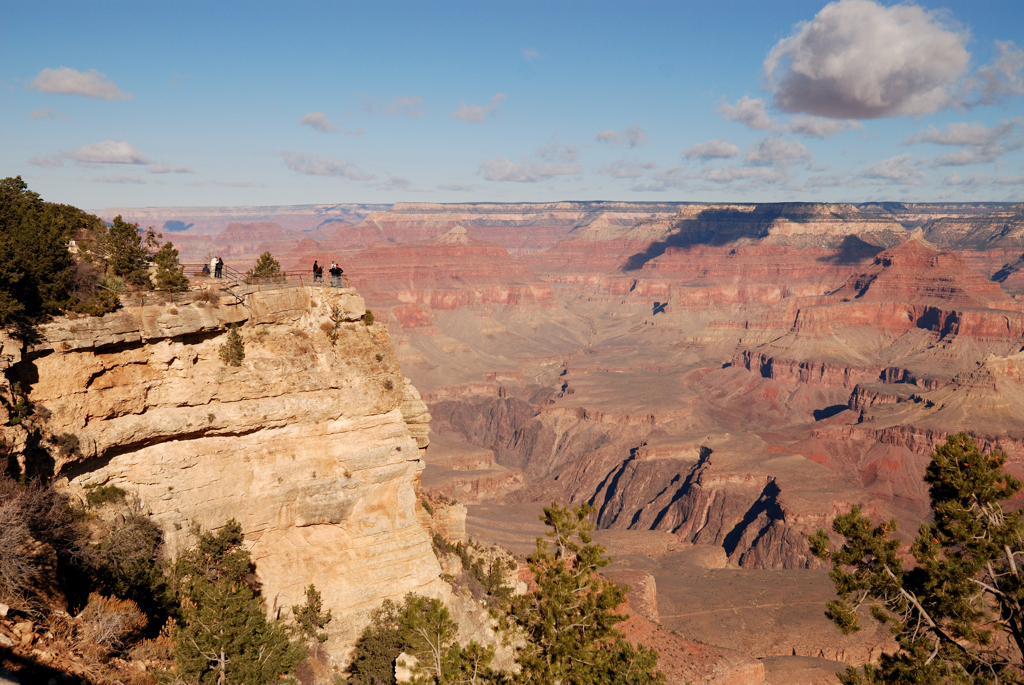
110 152
455 187
91 84
476 114
900 170
398 183
119 178
312 165
318 121
955 179
42 114
719 148
530 53
625 169
749 111
996 81
406 106
776 150
1009 180
978 143
963 133
633 136
860 60
820 127
672 177
734 172
46 161
551 159
161 168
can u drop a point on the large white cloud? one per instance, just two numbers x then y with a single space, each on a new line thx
110 152
313 165
67 81
979 144
859 60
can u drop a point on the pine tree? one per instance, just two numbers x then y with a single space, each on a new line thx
126 256
232 351
224 637
957 615
266 266
169 272
310 618
569 619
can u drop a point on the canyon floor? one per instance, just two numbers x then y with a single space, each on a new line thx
717 380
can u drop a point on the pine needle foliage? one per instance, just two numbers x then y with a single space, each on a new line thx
310 618
957 614
569 620
232 351
224 637
169 272
266 266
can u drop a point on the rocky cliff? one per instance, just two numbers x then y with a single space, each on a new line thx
313 443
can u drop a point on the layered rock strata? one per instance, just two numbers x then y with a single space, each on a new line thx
306 443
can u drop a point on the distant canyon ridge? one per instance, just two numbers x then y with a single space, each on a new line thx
718 379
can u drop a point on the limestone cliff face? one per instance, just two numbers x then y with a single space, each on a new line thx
306 443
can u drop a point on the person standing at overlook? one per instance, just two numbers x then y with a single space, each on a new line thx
219 273
336 272
317 274
213 266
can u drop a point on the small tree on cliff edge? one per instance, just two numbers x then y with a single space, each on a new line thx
958 614
265 267
569 620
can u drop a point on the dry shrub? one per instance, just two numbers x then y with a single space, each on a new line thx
327 327
204 295
158 649
34 516
110 622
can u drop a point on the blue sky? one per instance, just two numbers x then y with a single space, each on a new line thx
257 103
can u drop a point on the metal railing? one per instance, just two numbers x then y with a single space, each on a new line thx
283 279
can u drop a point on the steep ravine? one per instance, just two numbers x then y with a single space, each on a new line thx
312 445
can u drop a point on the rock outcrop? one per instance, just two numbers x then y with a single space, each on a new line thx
313 443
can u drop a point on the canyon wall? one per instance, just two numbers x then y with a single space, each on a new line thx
313 444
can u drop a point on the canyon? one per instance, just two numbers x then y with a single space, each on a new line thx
719 380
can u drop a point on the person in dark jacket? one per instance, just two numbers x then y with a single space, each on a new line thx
336 272
317 272
219 273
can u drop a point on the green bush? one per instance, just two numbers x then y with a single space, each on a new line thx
232 352
368 318
67 443
98 495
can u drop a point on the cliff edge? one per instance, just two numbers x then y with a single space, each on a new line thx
307 443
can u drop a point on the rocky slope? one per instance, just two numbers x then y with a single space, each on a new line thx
308 443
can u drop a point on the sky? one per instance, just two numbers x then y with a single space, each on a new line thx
134 104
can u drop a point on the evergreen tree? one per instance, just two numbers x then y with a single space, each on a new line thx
169 272
125 255
265 267
569 619
957 614
232 351
310 618
224 637
36 266
378 647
